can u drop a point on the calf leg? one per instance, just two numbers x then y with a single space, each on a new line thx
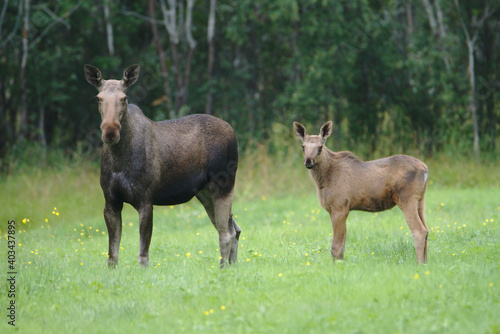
145 231
421 211
418 228
113 218
339 233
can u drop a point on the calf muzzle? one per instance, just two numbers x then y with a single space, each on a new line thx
309 163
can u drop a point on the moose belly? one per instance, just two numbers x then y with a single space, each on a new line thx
178 191
134 191
173 197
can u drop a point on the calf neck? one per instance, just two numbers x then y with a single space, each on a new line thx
346 183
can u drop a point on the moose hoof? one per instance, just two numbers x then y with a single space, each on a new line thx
143 261
112 263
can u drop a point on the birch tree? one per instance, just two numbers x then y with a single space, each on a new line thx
179 27
471 34
161 54
435 17
211 54
23 125
109 28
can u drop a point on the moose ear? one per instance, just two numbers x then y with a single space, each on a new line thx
130 75
299 130
93 75
326 130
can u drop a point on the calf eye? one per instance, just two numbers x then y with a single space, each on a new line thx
124 99
98 99
302 147
319 149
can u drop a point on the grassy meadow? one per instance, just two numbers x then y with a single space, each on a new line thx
284 282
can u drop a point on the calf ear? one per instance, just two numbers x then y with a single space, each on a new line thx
130 75
299 130
93 75
326 130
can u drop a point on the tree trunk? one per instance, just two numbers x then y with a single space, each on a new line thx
471 41
109 28
439 19
488 50
437 28
23 125
187 74
4 126
191 46
409 17
178 77
161 55
2 15
41 123
211 55
171 24
430 16
472 95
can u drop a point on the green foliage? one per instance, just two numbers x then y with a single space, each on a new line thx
387 86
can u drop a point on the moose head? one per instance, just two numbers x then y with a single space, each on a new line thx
112 99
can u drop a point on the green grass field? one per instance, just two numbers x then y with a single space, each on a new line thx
284 282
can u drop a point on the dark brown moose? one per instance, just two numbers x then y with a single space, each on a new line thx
345 183
146 163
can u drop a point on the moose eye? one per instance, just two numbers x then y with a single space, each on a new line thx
319 149
124 99
98 99
302 147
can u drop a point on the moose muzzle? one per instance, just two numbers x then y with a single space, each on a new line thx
110 133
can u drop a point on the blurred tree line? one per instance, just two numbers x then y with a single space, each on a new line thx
393 75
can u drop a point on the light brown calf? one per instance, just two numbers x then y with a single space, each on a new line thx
345 183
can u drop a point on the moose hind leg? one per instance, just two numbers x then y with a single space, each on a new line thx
418 229
227 232
113 218
205 199
234 247
145 231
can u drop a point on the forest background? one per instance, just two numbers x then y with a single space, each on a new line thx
395 76
418 77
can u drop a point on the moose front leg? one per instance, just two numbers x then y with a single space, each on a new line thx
113 218
145 230
339 233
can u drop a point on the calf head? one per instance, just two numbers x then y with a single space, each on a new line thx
112 99
312 145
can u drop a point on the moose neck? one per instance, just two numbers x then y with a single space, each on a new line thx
322 172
